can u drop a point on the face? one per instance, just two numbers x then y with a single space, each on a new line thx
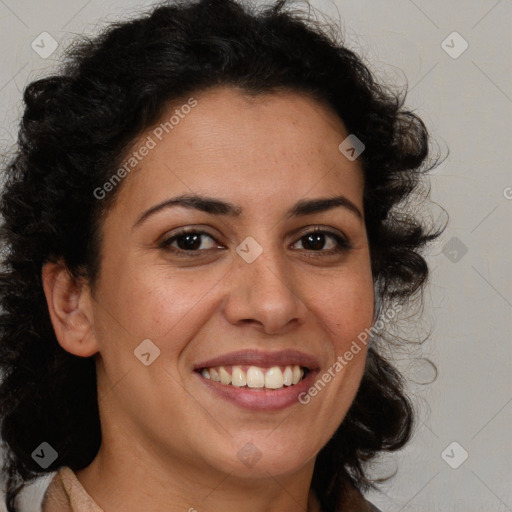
255 270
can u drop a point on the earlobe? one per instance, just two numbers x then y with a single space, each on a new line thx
69 305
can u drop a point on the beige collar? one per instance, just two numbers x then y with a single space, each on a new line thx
66 494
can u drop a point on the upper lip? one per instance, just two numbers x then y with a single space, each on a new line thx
260 358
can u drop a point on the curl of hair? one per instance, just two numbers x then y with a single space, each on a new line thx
76 128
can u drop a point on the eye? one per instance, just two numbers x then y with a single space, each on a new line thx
189 242
324 241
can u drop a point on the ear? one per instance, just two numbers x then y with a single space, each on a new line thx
70 307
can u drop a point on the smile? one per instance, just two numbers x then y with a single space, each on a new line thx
258 380
256 377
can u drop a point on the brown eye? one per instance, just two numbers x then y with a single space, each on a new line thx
189 241
317 241
323 241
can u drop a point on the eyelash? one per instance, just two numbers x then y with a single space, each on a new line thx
343 244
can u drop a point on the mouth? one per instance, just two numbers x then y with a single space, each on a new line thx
256 377
259 380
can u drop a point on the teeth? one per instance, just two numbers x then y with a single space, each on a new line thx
297 374
255 377
238 377
274 378
225 378
288 376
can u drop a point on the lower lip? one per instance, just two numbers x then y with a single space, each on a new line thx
263 399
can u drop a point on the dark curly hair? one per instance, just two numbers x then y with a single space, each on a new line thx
75 131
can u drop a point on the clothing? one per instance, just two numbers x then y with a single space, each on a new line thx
66 494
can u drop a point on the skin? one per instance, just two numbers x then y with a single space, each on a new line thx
168 443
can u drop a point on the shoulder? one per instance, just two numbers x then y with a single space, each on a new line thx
66 494
353 501
369 507
55 497
356 502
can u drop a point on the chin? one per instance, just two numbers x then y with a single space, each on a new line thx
262 456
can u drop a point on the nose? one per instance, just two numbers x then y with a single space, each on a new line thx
264 293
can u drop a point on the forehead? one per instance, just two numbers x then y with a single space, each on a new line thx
257 147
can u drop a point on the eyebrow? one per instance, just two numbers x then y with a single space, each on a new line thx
220 207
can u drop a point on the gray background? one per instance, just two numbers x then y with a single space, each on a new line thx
466 102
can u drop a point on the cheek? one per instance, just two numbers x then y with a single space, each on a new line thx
345 306
157 303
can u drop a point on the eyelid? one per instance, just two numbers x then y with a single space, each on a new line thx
194 228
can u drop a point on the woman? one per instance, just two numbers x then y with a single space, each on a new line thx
204 239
